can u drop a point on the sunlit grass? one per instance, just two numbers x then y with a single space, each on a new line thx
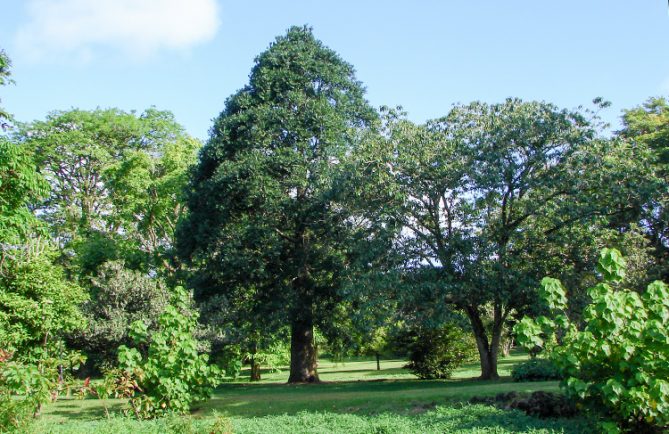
354 397
352 386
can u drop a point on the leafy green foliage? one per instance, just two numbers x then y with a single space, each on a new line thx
5 79
16 413
482 193
648 125
37 304
436 353
27 383
535 370
620 361
20 185
37 308
115 177
172 376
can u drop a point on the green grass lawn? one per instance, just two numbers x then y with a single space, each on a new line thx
364 369
354 397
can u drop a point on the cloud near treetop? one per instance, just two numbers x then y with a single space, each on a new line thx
139 28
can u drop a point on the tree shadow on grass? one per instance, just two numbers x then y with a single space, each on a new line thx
364 397
89 409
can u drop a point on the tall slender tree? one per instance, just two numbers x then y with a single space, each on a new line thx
265 228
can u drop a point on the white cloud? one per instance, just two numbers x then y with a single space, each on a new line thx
138 28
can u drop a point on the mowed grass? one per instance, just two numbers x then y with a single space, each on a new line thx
353 397
364 369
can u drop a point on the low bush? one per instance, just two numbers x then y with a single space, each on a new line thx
436 353
173 375
618 364
537 404
535 370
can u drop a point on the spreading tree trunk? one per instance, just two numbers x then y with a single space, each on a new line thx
303 355
506 347
488 349
255 366
255 370
378 362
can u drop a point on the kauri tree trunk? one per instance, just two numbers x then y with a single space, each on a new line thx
303 355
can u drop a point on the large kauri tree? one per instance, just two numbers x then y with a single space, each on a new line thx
265 230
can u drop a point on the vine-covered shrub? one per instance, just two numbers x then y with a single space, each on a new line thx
173 375
436 353
535 370
619 362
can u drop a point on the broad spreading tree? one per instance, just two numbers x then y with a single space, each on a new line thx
266 230
484 192
648 125
116 183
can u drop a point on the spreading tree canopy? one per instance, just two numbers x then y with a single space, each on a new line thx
116 181
266 231
485 192
648 125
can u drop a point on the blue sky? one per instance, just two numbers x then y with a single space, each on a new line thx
188 56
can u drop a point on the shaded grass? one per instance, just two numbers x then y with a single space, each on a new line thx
360 397
465 419
366 397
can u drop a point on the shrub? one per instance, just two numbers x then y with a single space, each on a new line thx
119 297
535 370
25 387
539 404
619 362
173 375
436 353
545 404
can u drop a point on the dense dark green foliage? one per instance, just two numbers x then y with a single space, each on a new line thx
436 353
309 217
484 192
648 125
119 297
266 233
535 370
